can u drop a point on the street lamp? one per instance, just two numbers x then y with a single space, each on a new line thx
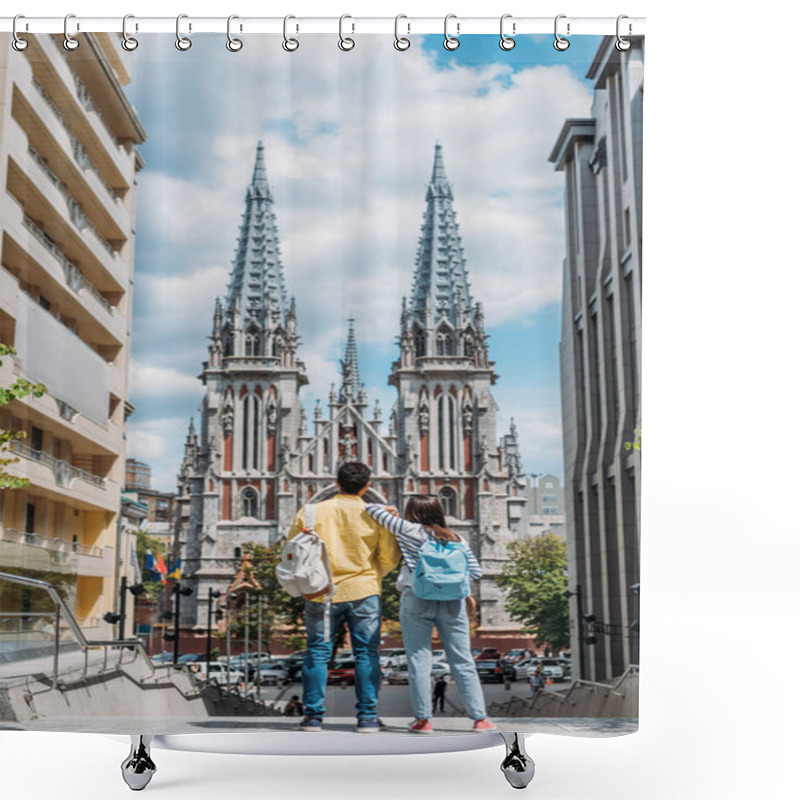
178 591
578 594
212 595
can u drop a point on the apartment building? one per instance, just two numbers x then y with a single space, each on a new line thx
68 163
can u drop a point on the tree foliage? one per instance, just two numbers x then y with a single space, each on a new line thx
535 578
19 389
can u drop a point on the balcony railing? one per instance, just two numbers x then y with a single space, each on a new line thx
78 150
76 280
51 543
63 471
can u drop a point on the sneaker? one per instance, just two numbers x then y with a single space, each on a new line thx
484 726
421 726
369 725
311 724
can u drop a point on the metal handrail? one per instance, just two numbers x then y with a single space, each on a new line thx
63 610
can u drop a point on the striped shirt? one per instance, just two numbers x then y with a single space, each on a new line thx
410 538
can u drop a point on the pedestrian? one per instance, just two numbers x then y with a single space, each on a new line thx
293 707
423 525
361 552
439 689
537 682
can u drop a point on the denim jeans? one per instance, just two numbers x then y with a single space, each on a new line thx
363 620
417 618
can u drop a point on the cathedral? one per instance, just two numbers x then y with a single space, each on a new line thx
257 457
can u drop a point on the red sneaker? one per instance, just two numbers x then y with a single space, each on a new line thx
484 726
421 726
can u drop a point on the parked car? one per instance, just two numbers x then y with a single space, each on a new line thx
488 652
439 655
490 670
521 668
294 664
398 674
440 669
161 658
273 673
517 654
343 672
394 658
190 658
216 672
550 667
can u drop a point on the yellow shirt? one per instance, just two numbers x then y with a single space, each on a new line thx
360 550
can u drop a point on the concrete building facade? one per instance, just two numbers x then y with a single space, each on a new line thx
68 163
601 158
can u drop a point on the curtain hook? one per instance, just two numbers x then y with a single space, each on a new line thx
622 44
401 43
128 42
289 45
183 43
506 42
18 43
70 42
451 42
233 44
346 42
560 44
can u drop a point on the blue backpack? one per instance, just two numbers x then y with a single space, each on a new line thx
442 571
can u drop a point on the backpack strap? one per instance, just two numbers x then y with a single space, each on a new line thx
308 519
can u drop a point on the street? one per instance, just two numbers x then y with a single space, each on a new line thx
394 699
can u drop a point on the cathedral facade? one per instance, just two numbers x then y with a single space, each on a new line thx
257 457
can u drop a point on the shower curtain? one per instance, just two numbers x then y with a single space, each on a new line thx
226 273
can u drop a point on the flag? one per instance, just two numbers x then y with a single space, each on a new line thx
161 568
149 561
175 572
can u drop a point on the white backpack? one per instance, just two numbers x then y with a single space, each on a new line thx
305 566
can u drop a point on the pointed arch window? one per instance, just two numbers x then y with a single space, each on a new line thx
252 344
446 424
249 502
449 501
445 342
419 342
251 432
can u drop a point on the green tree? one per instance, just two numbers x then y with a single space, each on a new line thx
19 389
536 578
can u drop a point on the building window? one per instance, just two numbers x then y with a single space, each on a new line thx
446 422
237 552
447 497
249 502
445 343
419 342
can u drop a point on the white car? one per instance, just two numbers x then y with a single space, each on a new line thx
439 655
550 667
440 669
216 672
273 674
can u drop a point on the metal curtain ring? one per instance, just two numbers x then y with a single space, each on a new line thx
451 42
622 44
128 42
560 43
506 42
183 43
346 42
233 44
289 45
401 43
17 43
70 42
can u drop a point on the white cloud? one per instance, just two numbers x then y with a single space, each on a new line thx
349 147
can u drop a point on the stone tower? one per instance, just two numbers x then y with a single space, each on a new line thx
445 412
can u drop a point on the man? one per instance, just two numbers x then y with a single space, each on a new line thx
361 552
439 690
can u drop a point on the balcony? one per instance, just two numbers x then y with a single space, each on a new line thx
32 551
63 472
85 122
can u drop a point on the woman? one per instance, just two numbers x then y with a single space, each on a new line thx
424 520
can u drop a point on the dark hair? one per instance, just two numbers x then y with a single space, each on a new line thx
353 476
426 509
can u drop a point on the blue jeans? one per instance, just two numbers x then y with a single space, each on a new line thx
363 619
417 618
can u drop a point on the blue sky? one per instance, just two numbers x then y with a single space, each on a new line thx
349 145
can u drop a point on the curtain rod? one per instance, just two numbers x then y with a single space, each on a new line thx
457 26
